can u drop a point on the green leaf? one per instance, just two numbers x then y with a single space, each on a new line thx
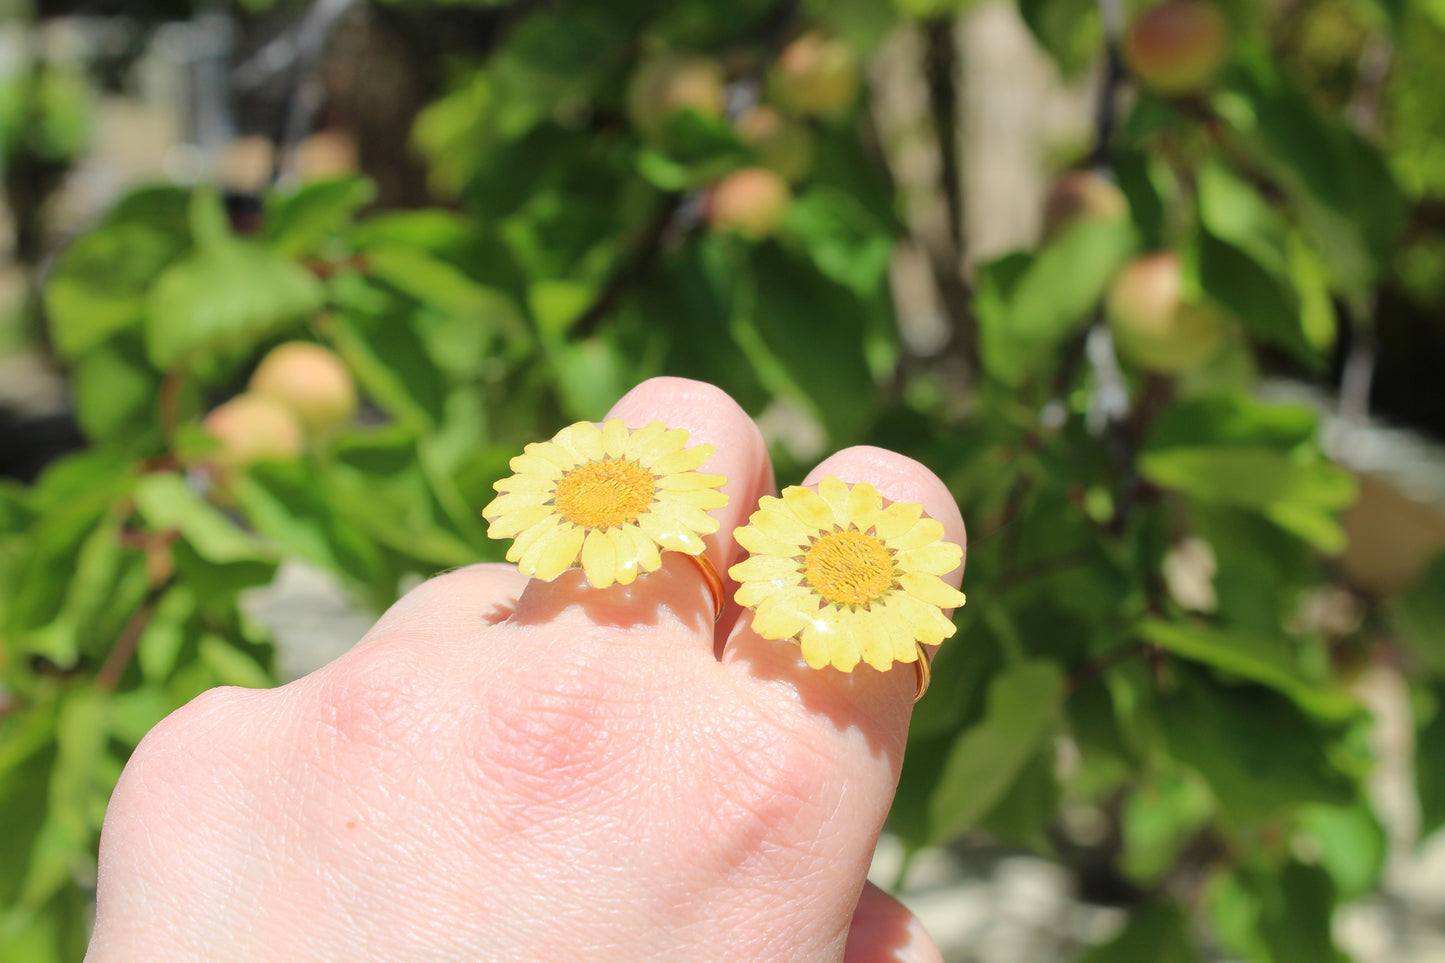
160 644
1430 766
99 285
385 353
1234 418
1266 660
1259 753
1351 844
1160 818
436 283
814 331
232 666
1156 932
285 504
298 222
226 298
114 391
1026 308
167 502
842 238
1418 614
1031 805
1275 916
1068 29
1298 495
1024 703
1259 296
1348 202
24 801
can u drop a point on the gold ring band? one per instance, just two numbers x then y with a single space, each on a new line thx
924 667
712 580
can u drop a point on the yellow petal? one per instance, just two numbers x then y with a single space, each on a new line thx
625 548
670 534
698 521
508 525
642 438
689 481
897 519
870 631
758 568
750 594
815 646
648 558
758 543
669 441
552 452
614 438
531 465
925 622
785 528
924 531
599 559
558 553
835 493
583 439
689 459
864 504
528 537
905 646
780 616
809 508
535 484
940 558
842 645
513 502
704 501
930 589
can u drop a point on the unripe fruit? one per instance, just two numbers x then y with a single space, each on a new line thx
327 154
750 202
1175 47
816 76
780 144
1154 326
310 380
1082 196
666 86
252 428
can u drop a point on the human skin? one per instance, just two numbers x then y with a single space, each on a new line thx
514 770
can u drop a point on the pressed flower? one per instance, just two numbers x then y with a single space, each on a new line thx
606 498
848 578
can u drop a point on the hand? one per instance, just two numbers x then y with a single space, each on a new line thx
515 770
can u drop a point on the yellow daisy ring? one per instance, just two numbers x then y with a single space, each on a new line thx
607 499
846 577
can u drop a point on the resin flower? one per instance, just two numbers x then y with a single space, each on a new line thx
849 579
606 497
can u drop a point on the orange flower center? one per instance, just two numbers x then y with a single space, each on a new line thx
849 568
604 494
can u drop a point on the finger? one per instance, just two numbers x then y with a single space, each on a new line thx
886 931
455 607
881 700
677 595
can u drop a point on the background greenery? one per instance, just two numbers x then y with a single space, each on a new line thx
1146 546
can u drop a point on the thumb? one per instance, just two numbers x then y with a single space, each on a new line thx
886 931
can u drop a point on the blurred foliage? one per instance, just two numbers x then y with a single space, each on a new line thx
1146 534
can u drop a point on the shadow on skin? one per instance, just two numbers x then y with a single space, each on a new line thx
675 588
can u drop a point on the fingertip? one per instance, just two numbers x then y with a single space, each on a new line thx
711 417
886 931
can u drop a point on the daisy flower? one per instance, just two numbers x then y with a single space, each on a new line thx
849 579
608 498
